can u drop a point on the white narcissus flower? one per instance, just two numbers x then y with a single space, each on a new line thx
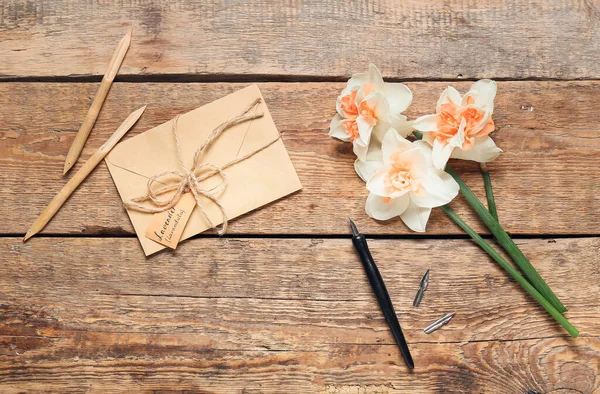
367 107
460 126
407 184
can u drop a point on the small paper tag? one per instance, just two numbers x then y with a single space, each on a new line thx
166 227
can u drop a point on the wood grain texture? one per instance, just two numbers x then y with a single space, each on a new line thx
107 284
89 313
86 168
293 38
153 364
92 114
273 315
545 182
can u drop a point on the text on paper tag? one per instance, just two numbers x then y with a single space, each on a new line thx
166 227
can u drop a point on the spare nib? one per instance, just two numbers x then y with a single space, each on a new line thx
438 323
422 288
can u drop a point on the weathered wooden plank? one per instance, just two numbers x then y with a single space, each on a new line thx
546 182
326 38
286 294
150 364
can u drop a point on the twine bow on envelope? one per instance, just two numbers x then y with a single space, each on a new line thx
188 180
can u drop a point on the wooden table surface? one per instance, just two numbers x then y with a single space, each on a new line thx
281 304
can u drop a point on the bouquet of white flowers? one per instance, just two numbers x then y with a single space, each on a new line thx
408 178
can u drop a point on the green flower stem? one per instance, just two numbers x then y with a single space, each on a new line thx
504 239
513 272
489 192
507 243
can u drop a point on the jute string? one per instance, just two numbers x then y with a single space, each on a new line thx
188 180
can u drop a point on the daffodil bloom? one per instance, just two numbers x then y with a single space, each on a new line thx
407 184
367 106
461 124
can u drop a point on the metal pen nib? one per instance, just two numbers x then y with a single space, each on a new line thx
438 323
422 287
355 232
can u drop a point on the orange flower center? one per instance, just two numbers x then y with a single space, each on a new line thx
351 111
351 128
348 105
399 177
368 113
450 118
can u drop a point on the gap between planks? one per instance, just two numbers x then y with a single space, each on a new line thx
257 78
412 237
336 344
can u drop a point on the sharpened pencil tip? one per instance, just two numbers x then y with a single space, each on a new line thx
128 35
27 236
67 167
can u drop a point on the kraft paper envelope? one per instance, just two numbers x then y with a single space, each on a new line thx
258 180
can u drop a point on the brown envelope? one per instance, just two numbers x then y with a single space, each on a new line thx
260 179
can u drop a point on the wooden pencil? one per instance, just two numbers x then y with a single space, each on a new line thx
82 173
92 114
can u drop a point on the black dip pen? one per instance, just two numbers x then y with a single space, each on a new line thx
360 243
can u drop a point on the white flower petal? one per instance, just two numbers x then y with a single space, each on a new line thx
376 183
337 130
338 107
360 150
373 163
364 131
438 191
366 169
427 151
486 116
458 139
375 78
374 152
416 217
392 142
379 131
448 95
418 163
449 182
398 96
380 210
429 138
484 149
440 154
484 92
380 106
357 81
347 90
426 123
401 124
